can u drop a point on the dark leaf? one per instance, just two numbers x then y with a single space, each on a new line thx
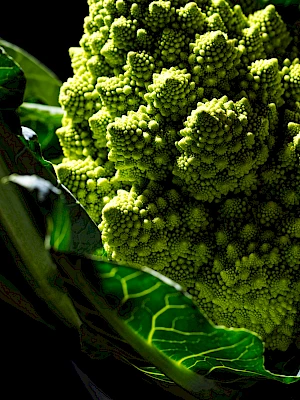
42 84
44 120
12 83
70 228
162 323
33 182
17 152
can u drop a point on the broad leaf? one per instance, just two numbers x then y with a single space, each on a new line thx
69 226
23 157
21 154
31 183
30 139
20 236
44 120
42 84
14 288
25 214
162 323
38 268
12 82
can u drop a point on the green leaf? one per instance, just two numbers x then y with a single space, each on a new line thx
70 228
42 84
31 183
64 233
59 227
162 323
17 152
23 158
22 221
30 139
12 82
38 267
14 289
107 302
44 120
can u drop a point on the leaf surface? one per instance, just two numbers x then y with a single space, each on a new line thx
42 84
159 320
12 82
44 120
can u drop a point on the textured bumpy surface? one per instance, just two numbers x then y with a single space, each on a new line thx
181 139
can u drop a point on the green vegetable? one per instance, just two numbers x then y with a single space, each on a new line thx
180 137
135 314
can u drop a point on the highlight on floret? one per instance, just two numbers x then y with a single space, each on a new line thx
181 138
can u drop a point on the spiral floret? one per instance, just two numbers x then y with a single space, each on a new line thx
90 182
263 82
189 18
141 147
275 35
214 58
291 82
219 153
155 227
172 93
78 97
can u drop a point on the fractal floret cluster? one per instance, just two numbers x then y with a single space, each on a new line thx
181 138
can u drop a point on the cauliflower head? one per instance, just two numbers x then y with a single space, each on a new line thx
181 138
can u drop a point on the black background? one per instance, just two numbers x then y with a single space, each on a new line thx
46 29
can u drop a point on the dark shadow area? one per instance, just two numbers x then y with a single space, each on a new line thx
45 29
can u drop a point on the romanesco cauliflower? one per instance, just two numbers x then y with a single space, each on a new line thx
181 138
